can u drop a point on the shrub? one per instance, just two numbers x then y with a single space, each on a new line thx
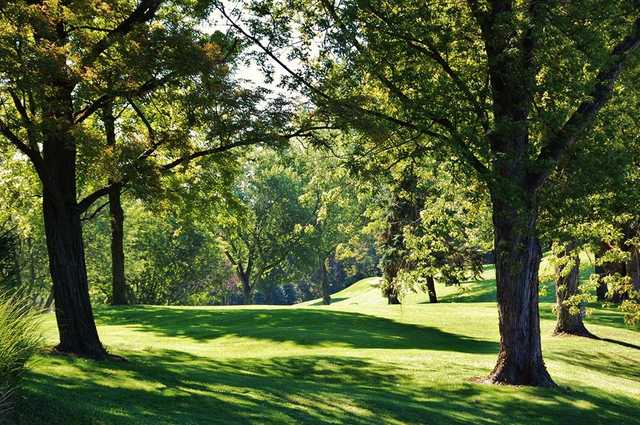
20 338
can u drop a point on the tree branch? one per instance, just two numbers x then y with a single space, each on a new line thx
557 144
144 12
145 88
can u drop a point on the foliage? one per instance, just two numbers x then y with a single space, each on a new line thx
268 232
19 340
170 259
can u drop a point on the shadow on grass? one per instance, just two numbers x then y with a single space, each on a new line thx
609 316
171 387
333 300
299 325
485 291
619 365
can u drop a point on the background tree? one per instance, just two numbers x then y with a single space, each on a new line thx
273 223
336 204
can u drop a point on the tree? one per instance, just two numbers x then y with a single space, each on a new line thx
403 211
509 113
591 205
62 63
569 308
335 204
21 215
273 223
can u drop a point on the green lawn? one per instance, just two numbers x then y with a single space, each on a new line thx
358 361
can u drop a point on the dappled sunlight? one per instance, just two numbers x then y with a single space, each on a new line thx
310 389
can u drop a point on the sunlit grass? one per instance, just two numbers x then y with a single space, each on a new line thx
358 361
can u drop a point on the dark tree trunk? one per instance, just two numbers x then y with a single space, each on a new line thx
76 325
324 282
116 213
119 283
247 297
63 228
518 257
632 266
601 289
431 290
633 269
567 286
390 287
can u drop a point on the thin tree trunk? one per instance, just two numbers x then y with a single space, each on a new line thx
246 289
518 256
601 289
324 282
391 288
431 290
119 283
567 286
118 279
633 269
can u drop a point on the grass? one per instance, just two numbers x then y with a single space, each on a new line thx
19 340
358 361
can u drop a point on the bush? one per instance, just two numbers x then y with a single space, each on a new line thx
20 338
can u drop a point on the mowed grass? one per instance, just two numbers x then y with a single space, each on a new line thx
358 361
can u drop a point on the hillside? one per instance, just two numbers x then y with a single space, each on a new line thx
358 361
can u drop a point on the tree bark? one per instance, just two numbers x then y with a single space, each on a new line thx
633 269
62 224
116 213
246 289
324 282
567 286
431 290
518 256
63 229
118 279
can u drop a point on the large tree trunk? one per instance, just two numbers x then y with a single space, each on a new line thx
518 257
118 280
567 286
63 228
76 325
119 283
431 290
324 282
